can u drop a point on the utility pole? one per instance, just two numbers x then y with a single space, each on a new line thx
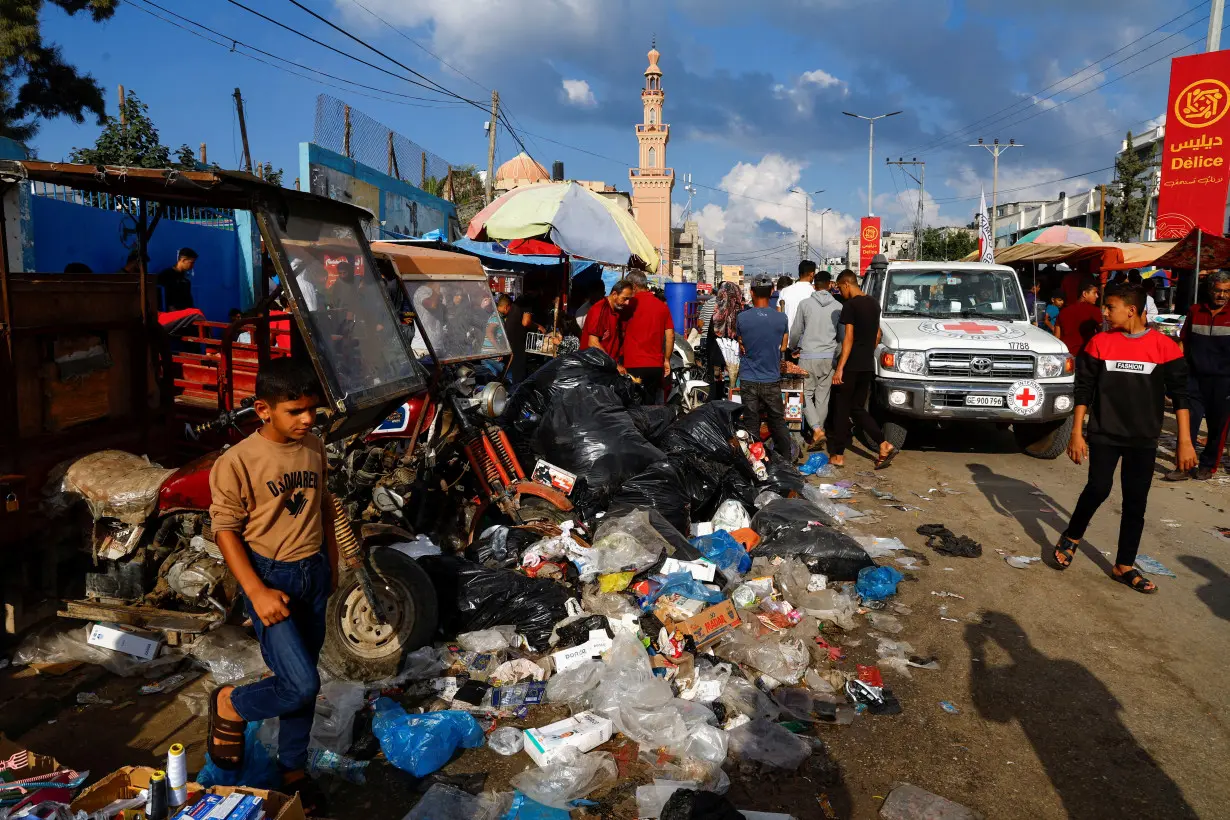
823 255
871 148
243 132
204 161
123 118
1213 43
920 179
803 251
491 129
996 148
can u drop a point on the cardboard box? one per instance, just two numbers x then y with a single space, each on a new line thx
707 626
126 639
583 731
701 570
130 780
566 659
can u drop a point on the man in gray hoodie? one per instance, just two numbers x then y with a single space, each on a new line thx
814 332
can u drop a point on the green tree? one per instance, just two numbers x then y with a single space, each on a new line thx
1125 201
35 81
945 244
129 140
269 174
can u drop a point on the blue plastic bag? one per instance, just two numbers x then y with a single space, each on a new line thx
721 548
877 583
684 584
815 462
259 769
524 808
421 744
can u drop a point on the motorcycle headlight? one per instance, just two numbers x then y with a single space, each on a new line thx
1051 366
492 399
913 362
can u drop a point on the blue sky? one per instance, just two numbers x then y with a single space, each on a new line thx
754 92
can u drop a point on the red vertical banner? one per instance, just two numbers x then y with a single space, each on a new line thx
1196 152
868 242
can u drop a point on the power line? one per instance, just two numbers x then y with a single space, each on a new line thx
232 44
1032 98
1025 187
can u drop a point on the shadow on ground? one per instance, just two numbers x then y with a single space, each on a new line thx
1072 720
1041 516
1216 593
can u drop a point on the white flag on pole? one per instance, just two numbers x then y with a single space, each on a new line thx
986 242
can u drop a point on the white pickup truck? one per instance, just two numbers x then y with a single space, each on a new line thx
957 345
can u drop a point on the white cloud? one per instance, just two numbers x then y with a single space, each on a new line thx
762 192
808 86
578 93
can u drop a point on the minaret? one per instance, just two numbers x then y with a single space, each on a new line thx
653 182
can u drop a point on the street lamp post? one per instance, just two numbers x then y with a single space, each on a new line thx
806 207
823 254
871 146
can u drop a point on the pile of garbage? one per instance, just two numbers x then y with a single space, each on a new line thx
691 620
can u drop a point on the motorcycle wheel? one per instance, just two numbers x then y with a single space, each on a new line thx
360 648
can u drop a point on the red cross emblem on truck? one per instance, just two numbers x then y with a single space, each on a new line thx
1025 397
972 327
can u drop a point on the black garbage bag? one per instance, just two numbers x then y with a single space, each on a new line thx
587 431
563 373
473 597
501 547
659 487
654 420
707 431
687 804
797 528
784 478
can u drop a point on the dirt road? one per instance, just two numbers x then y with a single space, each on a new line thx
1075 695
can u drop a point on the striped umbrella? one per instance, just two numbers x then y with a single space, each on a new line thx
1060 235
577 220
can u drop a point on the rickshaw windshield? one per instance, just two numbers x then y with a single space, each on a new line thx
341 296
459 318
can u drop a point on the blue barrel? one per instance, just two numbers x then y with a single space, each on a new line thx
681 301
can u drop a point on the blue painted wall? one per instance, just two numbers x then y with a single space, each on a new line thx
66 232
403 209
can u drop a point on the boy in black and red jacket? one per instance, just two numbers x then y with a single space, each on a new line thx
1122 379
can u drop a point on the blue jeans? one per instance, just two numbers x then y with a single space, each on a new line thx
291 649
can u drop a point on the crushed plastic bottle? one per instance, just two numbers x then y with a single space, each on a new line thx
326 761
506 741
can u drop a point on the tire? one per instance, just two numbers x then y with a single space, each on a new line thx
895 433
359 649
1047 440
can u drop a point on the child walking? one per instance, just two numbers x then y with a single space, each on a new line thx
1122 379
273 521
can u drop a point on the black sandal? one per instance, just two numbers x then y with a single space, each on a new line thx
1064 555
225 736
1136 581
883 461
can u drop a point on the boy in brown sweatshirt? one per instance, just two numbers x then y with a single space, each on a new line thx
272 519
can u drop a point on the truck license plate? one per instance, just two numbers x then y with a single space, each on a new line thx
984 401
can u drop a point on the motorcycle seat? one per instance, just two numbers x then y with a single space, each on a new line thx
116 484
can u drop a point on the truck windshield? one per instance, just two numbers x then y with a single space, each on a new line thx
459 318
993 294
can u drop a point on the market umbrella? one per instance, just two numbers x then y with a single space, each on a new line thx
1060 235
577 220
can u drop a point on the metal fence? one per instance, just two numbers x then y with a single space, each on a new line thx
353 134
197 215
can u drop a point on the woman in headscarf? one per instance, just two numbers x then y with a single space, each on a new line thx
721 338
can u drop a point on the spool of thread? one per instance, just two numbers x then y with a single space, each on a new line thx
156 803
177 774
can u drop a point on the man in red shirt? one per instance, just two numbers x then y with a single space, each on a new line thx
649 338
604 323
1079 321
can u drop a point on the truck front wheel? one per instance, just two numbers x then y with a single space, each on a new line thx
1047 440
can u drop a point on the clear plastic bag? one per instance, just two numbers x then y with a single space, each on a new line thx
489 640
742 697
651 798
765 742
783 659
894 655
230 654
445 802
731 515
506 741
65 643
885 622
833 606
572 686
336 706
574 776
421 744
626 542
